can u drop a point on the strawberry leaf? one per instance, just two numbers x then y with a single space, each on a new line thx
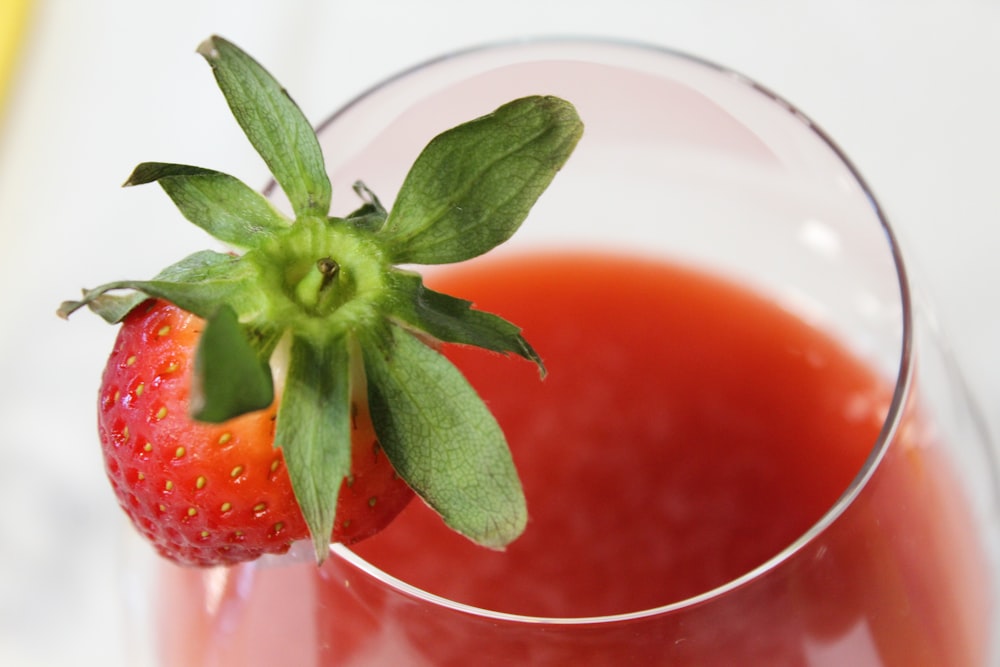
472 186
371 215
199 284
453 320
221 204
230 376
314 431
111 307
274 124
330 286
442 439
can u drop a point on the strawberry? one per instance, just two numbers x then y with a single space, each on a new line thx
291 385
202 493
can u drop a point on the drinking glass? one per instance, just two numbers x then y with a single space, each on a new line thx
686 162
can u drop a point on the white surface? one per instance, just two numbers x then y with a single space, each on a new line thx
908 89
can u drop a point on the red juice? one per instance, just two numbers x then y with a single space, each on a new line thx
687 432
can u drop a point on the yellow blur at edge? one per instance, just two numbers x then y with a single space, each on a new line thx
13 16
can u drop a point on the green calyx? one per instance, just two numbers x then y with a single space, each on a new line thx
328 291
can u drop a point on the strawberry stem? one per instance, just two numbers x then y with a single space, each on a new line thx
315 287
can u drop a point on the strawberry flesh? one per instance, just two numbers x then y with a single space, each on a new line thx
207 494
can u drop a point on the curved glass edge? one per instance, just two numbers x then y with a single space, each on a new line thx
897 405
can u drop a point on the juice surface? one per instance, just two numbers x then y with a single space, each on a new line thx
686 432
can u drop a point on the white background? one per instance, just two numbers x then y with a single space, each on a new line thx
910 90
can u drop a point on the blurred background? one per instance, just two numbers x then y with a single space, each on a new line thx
909 89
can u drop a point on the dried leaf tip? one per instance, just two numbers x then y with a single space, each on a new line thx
208 50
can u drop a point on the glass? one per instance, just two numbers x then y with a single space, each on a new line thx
685 162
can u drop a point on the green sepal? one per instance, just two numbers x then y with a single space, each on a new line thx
199 284
274 124
222 205
472 186
453 320
231 377
371 215
112 308
443 440
314 430
325 280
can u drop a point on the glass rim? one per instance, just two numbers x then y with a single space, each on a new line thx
890 423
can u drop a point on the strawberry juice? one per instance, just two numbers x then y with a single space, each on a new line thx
687 433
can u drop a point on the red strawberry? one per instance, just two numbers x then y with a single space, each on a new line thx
210 465
214 493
